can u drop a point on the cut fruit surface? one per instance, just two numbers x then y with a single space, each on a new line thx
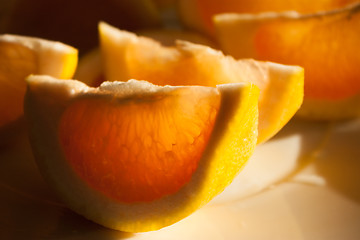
90 68
322 43
137 157
21 56
144 160
125 56
198 14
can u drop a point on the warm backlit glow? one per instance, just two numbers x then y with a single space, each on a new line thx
324 46
140 149
208 8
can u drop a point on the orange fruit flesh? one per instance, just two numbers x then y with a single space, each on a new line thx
193 64
180 71
48 106
209 8
185 67
133 145
90 70
16 62
302 45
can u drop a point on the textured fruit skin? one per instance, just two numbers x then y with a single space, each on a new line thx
231 144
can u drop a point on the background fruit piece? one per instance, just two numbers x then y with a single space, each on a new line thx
190 64
21 56
323 43
198 14
74 22
90 68
231 143
168 37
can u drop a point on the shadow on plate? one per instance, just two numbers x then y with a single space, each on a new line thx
333 148
339 161
30 210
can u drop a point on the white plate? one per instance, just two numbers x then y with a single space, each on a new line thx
303 184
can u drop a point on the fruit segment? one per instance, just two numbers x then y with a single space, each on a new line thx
322 43
130 168
126 55
198 14
21 56
145 147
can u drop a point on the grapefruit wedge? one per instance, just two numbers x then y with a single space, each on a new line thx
126 55
21 56
137 157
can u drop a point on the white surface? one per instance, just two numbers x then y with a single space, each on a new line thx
303 184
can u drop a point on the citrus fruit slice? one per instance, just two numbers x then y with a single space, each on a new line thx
90 67
21 56
198 14
322 43
137 157
281 87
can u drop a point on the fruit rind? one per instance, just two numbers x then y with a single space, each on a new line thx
21 56
59 53
195 64
331 89
287 90
231 145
